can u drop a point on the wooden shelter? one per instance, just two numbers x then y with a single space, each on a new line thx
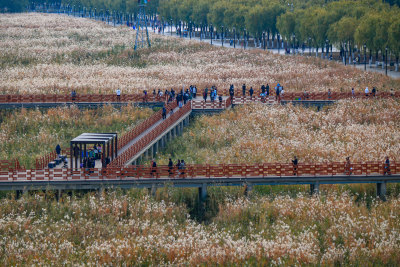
80 146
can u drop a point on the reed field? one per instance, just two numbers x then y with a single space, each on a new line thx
132 228
364 130
30 133
54 54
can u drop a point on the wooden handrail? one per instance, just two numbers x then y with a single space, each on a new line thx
207 171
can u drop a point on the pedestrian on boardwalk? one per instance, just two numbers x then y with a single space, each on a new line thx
153 168
185 98
164 113
194 91
373 91
251 91
262 95
353 93
118 92
178 166
170 167
212 96
305 95
366 92
244 89
329 94
295 163
73 95
182 168
220 101
58 150
267 90
231 91
205 95
278 93
348 170
387 166
263 88
144 95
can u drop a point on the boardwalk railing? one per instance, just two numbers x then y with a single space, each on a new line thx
200 104
135 132
92 98
43 161
202 171
149 137
6 165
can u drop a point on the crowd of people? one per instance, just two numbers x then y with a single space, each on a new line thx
190 93
88 160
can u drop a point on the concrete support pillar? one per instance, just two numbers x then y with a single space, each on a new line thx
58 195
101 191
314 189
146 154
247 189
203 192
155 149
152 190
18 194
162 141
381 191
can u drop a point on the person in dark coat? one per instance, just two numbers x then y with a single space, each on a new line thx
231 91
170 167
58 150
251 91
387 166
295 162
153 167
164 113
244 89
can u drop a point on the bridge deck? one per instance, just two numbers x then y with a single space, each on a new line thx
127 183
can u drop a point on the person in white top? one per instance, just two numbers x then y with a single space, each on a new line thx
366 91
118 94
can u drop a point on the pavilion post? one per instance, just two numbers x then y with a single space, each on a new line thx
116 145
80 154
112 149
102 155
71 156
76 156
108 150
84 151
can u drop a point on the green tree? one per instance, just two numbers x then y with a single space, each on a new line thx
286 24
217 13
394 39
